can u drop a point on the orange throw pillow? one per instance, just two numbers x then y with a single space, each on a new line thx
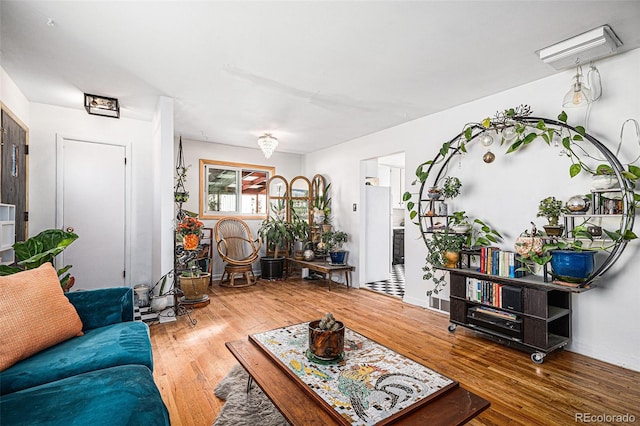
34 314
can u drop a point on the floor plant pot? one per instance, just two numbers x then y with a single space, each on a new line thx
195 288
272 268
572 266
326 345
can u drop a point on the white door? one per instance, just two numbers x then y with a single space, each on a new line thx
377 233
91 201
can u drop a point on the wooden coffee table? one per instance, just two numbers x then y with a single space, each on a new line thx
298 406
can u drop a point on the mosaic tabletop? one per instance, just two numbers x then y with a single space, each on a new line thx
371 385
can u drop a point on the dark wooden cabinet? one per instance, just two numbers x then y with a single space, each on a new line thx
398 246
540 322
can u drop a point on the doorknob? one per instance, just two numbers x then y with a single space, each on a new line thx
70 229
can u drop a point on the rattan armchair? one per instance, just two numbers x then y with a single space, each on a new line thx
237 247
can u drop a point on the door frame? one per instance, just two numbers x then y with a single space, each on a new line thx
7 110
60 139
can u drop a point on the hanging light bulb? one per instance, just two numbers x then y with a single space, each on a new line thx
486 139
579 95
267 144
488 157
508 133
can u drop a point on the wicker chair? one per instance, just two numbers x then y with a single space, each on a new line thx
238 249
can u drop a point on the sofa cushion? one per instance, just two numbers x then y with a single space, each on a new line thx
104 306
34 314
117 344
123 395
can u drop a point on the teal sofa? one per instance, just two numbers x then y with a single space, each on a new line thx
101 378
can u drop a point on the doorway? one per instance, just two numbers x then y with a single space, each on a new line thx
15 155
385 174
92 201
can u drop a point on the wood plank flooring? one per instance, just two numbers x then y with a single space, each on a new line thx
191 360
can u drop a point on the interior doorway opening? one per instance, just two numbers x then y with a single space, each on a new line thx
384 224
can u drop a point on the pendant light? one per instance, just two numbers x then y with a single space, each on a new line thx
267 144
579 95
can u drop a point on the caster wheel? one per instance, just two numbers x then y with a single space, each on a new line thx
452 328
537 357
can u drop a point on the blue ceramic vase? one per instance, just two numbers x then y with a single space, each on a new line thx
572 266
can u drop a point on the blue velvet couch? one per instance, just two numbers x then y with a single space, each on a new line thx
101 378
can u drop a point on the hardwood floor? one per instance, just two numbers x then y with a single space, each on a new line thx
191 360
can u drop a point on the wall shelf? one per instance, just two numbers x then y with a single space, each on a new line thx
7 233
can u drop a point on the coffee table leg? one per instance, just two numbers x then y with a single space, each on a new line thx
249 383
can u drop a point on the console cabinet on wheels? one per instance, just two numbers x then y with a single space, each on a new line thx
528 314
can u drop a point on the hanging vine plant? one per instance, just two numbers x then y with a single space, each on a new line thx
517 129
180 194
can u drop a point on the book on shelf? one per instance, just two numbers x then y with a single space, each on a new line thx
502 263
485 310
493 294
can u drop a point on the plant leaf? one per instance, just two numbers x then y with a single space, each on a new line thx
581 130
514 146
406 196
486 123
541 125
467 133
563 117
529 138
445 149
575 169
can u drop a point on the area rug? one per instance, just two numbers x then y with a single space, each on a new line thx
242 408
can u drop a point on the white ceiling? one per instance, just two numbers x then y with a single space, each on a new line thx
313 73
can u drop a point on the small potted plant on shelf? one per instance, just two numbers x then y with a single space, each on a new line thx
194 283
459 223
451 187
332 242
551 209
300 232
190 229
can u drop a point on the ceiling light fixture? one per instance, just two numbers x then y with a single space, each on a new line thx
267 144
579 94
101 105
588 46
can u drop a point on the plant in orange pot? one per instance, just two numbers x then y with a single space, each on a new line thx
190 229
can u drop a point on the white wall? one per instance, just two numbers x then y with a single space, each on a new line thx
606 323
13 98
163 216
286 165
47 121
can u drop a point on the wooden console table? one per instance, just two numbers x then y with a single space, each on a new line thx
323 267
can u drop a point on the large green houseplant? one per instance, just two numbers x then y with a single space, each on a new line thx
39 249
276 234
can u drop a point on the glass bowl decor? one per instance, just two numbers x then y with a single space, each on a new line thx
578 204
572 266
